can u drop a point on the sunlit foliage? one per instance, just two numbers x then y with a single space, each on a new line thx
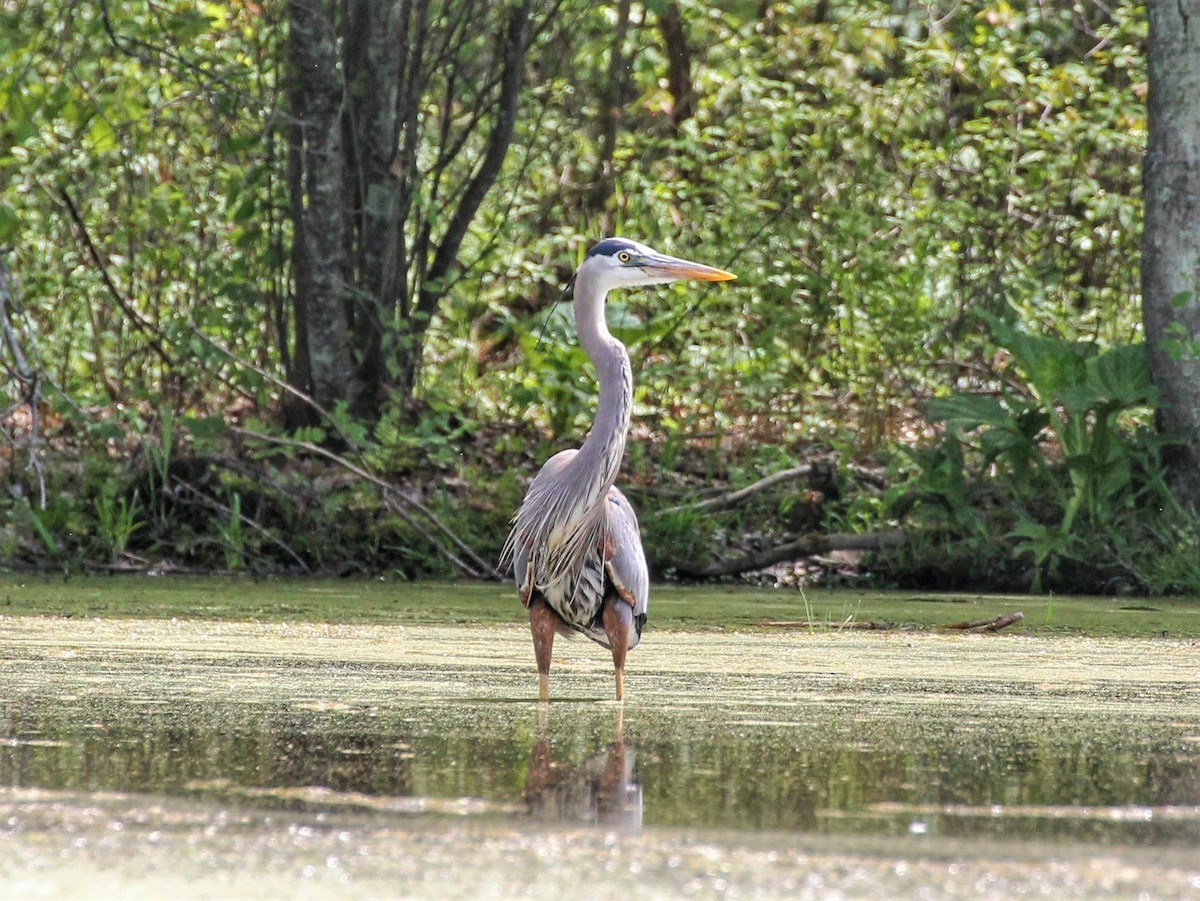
877 173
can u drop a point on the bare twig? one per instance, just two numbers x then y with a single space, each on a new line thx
151 53
873 477
806 546
512 54
272 379
475 568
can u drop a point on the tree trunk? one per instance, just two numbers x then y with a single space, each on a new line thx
402 115
679 63
1171 243
320 262
611 111
385 54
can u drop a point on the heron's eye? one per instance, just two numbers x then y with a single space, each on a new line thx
624 256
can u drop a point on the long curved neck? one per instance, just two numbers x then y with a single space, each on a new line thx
605 445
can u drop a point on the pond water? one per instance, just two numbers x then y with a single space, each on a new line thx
319 758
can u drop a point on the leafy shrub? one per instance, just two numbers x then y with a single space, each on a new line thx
1044 469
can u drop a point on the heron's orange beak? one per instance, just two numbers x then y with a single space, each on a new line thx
674 268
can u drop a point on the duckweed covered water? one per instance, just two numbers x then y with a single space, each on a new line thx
156 757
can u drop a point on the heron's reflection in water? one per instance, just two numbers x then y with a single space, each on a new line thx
602 790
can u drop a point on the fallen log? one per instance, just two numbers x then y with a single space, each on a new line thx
807 546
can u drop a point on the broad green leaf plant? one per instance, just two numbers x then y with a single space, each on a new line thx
1061 433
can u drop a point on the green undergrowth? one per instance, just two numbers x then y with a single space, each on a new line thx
672 607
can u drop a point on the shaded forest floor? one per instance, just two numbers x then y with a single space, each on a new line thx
746 507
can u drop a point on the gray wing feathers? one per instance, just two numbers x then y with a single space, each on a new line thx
628 564
520 557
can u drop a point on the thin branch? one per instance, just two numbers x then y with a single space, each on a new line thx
733 498
513 55
872 625
130 47
679 63
133 315
473 566
273 380
611 113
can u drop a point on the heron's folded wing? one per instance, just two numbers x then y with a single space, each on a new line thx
629 560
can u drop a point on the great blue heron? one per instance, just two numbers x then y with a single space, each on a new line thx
575 545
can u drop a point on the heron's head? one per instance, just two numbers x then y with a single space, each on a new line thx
619 263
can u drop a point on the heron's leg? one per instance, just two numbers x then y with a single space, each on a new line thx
542 624
618 621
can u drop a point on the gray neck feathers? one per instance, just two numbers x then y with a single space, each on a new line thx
602 452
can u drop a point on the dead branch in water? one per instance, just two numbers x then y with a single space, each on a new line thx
807 546
865 625
995 624
992 624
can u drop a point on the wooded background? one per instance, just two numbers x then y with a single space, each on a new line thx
282 283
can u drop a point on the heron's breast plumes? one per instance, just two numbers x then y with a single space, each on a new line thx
558 534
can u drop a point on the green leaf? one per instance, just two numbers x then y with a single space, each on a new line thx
102 136
1119 377
966 411
1050 365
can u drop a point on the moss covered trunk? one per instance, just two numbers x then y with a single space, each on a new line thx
1171 250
